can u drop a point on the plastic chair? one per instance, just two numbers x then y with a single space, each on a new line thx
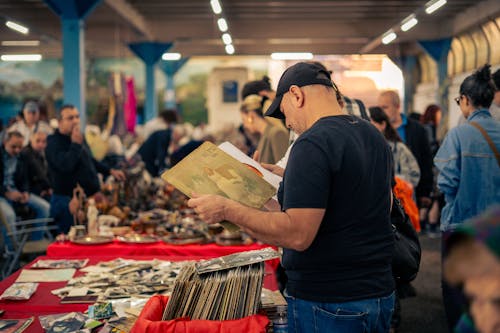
16 240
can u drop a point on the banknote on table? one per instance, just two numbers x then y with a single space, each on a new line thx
210 170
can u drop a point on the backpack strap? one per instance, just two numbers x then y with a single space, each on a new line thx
488 139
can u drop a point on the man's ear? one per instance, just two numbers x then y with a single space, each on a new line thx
297 96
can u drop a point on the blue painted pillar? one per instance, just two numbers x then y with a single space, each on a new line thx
150 53
72 14
408 65
170 68
74 66
438 51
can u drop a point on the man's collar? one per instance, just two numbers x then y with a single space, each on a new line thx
404 119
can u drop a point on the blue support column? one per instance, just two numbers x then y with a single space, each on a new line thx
170 68
408 65
72 14
150 53
74 66
438 51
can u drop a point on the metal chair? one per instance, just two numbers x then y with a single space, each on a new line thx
16 240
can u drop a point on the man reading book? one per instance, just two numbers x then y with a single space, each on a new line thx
333 214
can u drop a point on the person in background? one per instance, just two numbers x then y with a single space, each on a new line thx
166 118
273 141
495 105
430 120
13 183
333 215
405 164
37 169
414 136
70 163
469 171
155 150
30 122
472 262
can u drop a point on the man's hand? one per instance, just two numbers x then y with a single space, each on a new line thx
76 135
118 174
271 167
277 170
14 196
210 207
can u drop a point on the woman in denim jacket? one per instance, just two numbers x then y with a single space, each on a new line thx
469 174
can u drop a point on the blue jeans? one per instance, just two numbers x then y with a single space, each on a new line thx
369 315
39 206
59 211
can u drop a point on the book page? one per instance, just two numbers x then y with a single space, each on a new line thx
268 176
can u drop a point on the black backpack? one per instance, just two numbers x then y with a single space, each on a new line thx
407 251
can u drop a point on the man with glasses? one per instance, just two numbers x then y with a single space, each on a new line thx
70 163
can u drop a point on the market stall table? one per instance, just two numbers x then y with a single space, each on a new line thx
42 302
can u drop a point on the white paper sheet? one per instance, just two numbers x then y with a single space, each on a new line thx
46 275
270 177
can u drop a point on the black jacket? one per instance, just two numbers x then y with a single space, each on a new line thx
20 175
416 140
154 151
71 163
37 170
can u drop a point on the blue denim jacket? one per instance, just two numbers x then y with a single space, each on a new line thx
469 175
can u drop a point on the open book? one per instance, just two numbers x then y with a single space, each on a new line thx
209 170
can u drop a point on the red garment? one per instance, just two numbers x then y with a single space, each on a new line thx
130 106
404 192
149 321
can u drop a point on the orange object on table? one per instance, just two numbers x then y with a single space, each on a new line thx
150 321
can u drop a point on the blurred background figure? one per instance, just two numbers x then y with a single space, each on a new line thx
37 170
405 164
495 105
430 217
472 261
273 141
30 122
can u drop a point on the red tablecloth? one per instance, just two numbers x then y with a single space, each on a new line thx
43 302
159 248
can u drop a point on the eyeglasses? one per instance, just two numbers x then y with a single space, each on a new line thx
457 99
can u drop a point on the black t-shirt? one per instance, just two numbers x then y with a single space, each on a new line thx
341 164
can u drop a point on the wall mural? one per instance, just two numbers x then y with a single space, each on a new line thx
43 81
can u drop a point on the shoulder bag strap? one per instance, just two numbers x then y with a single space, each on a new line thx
488 139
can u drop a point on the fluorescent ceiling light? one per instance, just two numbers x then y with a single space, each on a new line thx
226 38
409 22
229 49
434 5
217 9
389 37
20 42
17 27
222 24
171 56
292 56
21 57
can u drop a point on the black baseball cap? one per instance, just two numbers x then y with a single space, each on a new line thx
301 74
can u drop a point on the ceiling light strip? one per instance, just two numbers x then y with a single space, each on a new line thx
21 57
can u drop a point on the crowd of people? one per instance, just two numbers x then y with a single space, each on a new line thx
340 165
